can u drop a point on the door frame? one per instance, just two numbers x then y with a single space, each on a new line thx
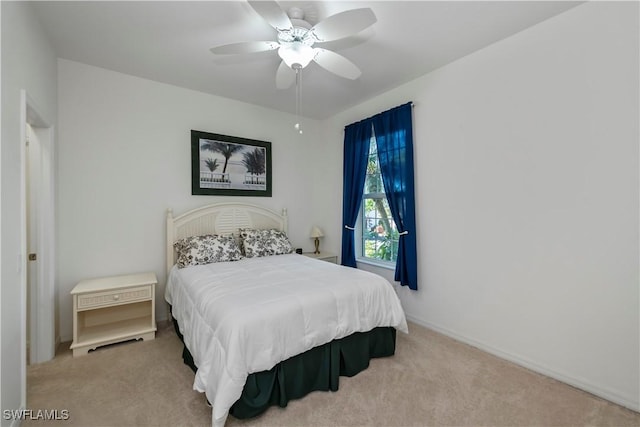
43 320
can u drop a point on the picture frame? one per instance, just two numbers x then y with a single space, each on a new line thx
223 165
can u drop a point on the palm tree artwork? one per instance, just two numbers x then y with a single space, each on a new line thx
229 166
255 162
227 150
212 165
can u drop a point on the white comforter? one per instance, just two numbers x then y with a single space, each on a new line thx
246 316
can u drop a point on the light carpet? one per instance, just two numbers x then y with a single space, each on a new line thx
432 380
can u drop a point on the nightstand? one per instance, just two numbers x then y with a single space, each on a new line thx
324 256
113 309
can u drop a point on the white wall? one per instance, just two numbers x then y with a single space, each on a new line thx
29 63
527 197
125 157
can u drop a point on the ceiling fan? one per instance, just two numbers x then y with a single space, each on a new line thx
296 39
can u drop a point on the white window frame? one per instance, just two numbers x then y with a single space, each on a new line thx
391 265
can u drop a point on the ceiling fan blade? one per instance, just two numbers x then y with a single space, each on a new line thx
337 64
343 24
285 76
272 13
244 47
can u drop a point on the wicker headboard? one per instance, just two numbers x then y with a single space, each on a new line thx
219 218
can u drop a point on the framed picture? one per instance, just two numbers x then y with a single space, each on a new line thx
229 166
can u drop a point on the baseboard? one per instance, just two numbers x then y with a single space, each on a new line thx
581 384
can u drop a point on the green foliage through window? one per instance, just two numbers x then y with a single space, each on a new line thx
379 232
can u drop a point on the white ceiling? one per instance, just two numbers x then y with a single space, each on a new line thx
169 41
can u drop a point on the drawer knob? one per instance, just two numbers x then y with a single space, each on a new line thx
116 297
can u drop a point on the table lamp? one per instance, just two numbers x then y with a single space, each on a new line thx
316 233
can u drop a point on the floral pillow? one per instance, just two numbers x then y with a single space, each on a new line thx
206 249
258 243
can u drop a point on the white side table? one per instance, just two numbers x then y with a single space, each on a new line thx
113 309
324 256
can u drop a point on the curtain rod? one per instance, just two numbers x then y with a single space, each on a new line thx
397 106
382 112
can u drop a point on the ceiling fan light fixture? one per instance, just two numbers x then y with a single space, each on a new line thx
296 54
296 37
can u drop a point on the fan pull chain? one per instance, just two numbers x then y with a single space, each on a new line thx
298 98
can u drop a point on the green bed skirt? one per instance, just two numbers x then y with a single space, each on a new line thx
318 369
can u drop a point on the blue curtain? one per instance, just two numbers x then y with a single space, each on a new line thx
357 139
393 131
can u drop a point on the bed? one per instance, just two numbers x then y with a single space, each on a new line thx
264 326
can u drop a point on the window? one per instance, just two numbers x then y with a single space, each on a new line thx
379 233
369 234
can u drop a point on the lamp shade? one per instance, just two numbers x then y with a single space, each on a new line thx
296 53
316 232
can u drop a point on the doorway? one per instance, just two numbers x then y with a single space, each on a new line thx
38 211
